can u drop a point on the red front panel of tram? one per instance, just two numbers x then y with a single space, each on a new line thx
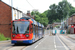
21 36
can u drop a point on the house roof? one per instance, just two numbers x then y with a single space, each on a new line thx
25 15
57 23
73 15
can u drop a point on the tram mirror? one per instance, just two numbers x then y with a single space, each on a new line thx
10 28
9 23
32 24
31 28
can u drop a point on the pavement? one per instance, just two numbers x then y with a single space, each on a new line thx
69 40
5 41
71 36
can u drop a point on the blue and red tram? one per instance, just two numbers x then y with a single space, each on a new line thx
26 30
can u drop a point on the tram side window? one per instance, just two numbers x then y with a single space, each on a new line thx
37 30
43 31
33 28
40 30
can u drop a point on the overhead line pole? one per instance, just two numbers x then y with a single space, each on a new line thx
12 8
67 17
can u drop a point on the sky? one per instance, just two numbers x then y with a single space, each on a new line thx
40 5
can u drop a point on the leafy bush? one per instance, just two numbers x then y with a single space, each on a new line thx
2 37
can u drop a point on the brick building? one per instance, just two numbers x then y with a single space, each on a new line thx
71 24
6 17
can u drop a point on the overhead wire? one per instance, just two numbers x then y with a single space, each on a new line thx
29 4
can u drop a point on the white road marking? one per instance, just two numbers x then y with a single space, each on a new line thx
36 46
55 43
55 49
55 46
43 40
63 44
25 48
40 43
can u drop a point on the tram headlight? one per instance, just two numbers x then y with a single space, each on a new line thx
27 35
13 35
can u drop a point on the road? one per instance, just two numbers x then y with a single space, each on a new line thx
49 42
46 43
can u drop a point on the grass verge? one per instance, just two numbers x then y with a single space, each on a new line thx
2 37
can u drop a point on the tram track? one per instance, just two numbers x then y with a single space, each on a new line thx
5 45
9 46
17 47
23 48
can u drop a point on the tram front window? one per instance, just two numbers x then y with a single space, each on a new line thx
20 27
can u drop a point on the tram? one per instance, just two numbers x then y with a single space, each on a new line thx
26 30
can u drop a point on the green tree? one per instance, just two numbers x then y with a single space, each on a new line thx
59 11
72 11
43 19
35 13
32 13
40 17
64 8
58 20
52 13
37 18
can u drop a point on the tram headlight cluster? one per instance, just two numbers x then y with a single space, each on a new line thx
13 35
27 35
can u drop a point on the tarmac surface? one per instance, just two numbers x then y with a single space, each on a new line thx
56 42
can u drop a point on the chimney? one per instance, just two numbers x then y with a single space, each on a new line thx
28 13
